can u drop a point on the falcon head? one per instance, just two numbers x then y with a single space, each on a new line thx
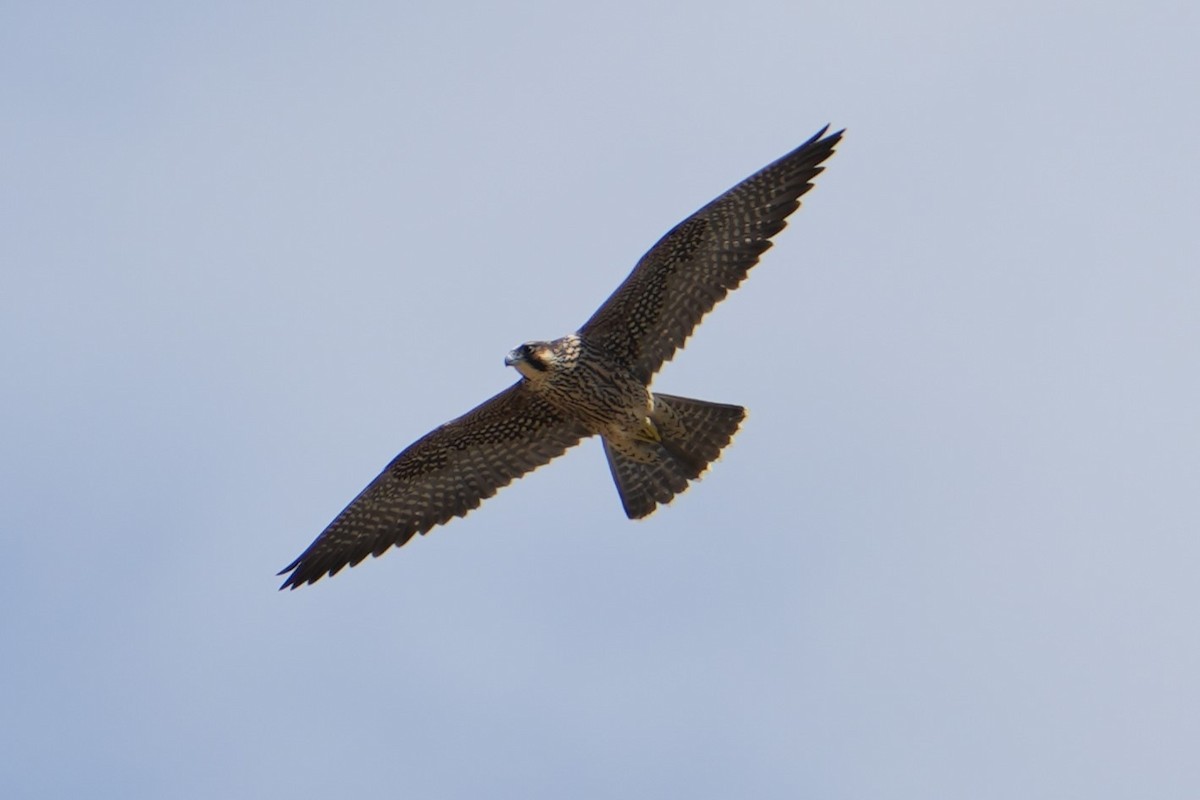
531 359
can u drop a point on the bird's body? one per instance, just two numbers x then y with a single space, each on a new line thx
594 382
584 383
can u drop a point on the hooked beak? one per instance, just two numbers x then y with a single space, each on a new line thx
512 359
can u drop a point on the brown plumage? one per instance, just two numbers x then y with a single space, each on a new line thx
593 382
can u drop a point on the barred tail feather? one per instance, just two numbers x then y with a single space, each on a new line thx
694 432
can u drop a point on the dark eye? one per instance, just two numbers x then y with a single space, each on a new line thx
534 357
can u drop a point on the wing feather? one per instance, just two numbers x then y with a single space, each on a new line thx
701 259
443 475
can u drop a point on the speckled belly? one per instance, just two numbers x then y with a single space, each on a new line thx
606 399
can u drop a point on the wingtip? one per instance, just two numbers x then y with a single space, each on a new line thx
290 584
297 578
305 572
832 138
818 147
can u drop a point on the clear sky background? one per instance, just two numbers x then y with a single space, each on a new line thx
250 251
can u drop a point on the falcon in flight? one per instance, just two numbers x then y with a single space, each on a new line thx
595 381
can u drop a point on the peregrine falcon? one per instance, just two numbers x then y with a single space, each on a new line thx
595 381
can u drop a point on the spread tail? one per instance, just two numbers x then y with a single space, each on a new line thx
692 435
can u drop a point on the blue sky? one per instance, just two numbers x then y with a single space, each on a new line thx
251 252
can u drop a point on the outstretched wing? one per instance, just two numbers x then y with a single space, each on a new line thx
701 259
445 474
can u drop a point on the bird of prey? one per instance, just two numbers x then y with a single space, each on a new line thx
595 381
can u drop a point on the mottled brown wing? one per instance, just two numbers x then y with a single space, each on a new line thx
701 259
443 475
